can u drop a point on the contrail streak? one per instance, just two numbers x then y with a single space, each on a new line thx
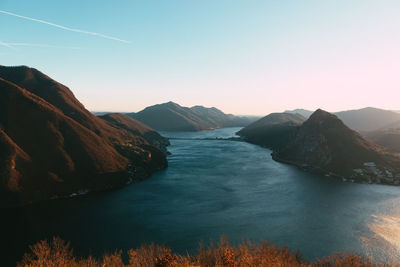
6 45
41 45
64 28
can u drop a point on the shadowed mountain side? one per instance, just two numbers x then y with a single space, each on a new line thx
387 139
388 136
58 95
55 147
121 121
49 152
325 144
273 131
173 117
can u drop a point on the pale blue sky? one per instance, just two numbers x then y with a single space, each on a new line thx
244 57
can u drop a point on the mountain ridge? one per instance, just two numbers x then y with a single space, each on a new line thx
273 130
53 147
326 145
171 116
362 120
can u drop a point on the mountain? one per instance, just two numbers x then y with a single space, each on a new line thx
388 136
121 121
325 144
51 146
368 119
173 117
385 138
361 120
305 113
272 131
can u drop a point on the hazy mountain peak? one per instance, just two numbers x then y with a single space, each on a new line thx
171 116
303 112
325 144
321 114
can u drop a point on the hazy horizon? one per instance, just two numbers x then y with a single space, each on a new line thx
249 58
331 111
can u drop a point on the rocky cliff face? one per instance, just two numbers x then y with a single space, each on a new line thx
51 146
324 144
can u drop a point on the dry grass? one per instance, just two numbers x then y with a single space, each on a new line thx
248 254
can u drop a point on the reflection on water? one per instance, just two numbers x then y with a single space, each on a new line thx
215 187
383 241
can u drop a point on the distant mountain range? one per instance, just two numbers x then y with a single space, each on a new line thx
377 125
173 117
51 146
362 120
368 119
324 144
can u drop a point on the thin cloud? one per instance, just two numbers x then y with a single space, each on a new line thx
6 45
64 27
42 45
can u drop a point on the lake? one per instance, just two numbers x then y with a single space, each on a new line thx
216 187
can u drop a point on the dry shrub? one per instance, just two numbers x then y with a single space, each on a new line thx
247 254
114 260
43 253
58 253
345 260
151 256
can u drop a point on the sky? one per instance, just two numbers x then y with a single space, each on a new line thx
241 56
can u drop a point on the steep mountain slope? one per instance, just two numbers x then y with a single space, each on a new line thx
272 131
368 119
53 147
121 121
58 95
173 117
325 144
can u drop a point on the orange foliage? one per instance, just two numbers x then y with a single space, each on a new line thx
58 253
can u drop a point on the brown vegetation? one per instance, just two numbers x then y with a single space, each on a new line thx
51 146
247 254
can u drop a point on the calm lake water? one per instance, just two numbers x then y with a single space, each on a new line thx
215 187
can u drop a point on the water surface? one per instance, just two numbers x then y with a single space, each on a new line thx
215 187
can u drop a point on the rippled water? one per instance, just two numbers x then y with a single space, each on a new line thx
215 187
